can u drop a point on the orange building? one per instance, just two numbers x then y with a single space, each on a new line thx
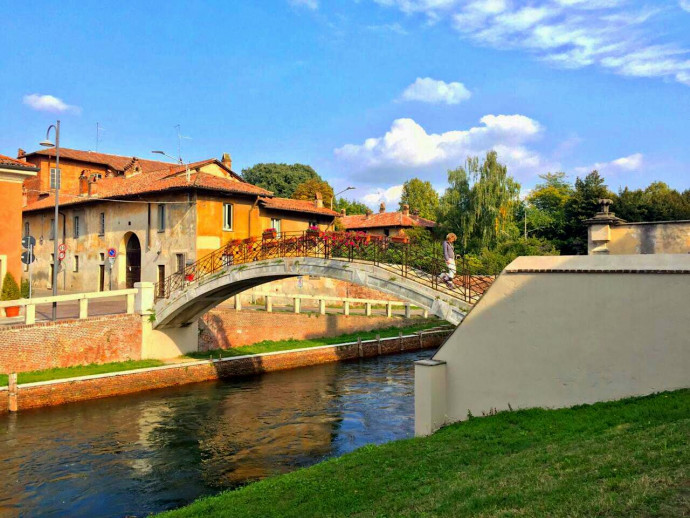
385 223
12 174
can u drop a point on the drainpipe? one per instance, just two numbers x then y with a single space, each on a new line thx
148 227
249 226
64 238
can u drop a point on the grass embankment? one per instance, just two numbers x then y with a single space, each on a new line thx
81 370
269 346
625 458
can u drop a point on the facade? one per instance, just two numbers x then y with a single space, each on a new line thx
385 223
12 174
608 234
158 217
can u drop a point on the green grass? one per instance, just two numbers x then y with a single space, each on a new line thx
269 346
625 458
82 370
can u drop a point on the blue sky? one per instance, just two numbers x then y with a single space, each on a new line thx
369 92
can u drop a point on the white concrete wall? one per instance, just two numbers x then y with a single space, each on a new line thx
560 331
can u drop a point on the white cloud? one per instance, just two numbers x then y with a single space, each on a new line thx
624 164
390 196
49 103
430 90
568 33
309 4
408 145
389 27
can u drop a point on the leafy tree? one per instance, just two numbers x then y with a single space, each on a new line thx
580 206
420 195
351 207
658 202
281 179
493 261
546 208
307 190
10 289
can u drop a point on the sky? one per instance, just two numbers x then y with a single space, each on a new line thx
368 92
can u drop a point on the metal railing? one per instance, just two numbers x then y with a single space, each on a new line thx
423 263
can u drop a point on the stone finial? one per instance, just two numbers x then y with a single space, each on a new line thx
382 207
343 212
406 209
20 153
318 200
604 204
227 160
368 213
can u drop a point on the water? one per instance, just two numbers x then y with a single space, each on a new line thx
145 453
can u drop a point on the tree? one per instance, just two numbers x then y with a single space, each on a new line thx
281 179
10 289
351 207
582 205
658 202
420 195
493 261
546 208
307 190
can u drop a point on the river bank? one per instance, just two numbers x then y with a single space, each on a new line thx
623 458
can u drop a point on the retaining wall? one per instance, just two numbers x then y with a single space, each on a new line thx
225 328
68 343
35 395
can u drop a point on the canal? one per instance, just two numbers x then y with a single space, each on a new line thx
148 452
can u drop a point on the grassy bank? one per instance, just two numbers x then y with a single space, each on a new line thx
82 370
269 346
625 458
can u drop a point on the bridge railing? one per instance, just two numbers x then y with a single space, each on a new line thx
423 263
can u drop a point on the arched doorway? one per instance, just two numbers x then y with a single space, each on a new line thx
133 261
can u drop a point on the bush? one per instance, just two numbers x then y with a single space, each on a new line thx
25 289
10 290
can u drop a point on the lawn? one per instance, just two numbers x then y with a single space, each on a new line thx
82 370
625 458
268 346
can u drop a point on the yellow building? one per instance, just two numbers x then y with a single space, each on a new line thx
157 217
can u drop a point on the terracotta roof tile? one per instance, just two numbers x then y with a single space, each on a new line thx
115 162
384 219
16 164
296 206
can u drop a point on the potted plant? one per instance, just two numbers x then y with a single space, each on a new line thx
400 239
313 231
270 233
10 291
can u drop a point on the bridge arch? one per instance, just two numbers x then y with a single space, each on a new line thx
185 306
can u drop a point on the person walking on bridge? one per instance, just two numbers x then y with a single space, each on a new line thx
449 257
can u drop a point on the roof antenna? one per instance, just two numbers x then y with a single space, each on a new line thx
98 135
179 150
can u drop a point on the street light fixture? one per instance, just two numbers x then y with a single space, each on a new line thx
178 159
336 194
56 185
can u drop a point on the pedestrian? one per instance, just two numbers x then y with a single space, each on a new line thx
449 257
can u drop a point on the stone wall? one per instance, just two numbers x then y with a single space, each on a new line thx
35 395
225 328
67 343
668 237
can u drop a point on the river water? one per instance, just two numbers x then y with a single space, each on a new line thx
148 452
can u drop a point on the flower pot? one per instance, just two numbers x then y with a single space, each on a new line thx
189 277
12 311
270 235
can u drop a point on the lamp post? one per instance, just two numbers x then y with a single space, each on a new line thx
57 179
336 194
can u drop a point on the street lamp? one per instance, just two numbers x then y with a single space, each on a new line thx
178 159
336 194
56 185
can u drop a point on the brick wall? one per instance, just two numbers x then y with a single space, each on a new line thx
37 395
70 342
225 328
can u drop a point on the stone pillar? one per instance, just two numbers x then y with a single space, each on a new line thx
430 406
83 308
367 309
322 306
599 229
408 310
389 310
30 314
12 392
297 305
144 300
346 307
238 302
269 304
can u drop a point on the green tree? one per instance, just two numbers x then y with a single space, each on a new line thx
420 195
307 190
493 261
281 179
658 202
581 206
546 208
10 289
351 207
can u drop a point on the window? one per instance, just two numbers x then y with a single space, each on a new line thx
101 224
179 260
227 216
52 229
27 229
275 223
313 223
55 178
161 218
76 227
76 263
102 257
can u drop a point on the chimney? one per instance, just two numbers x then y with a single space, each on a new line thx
406 210
318 200
83 184
20 153
415 212
343 212
368 213
93 188
382 208
227 160
25 197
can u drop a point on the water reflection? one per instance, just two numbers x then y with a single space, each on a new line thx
133 455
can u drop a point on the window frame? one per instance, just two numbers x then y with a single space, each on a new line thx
75 265
101 224
75 227
161 217
231 210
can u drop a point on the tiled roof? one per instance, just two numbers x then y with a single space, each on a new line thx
16 164
384 219
171 178
296 206
115 162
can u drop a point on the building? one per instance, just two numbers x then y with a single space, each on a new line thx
156 216
608 234
12 174
385 223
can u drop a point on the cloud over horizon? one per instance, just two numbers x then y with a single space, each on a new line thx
624 164
435 91
49 103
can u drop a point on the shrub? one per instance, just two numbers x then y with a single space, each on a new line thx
25 289
10 290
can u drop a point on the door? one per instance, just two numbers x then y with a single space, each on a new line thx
161 280
133 261
101 277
